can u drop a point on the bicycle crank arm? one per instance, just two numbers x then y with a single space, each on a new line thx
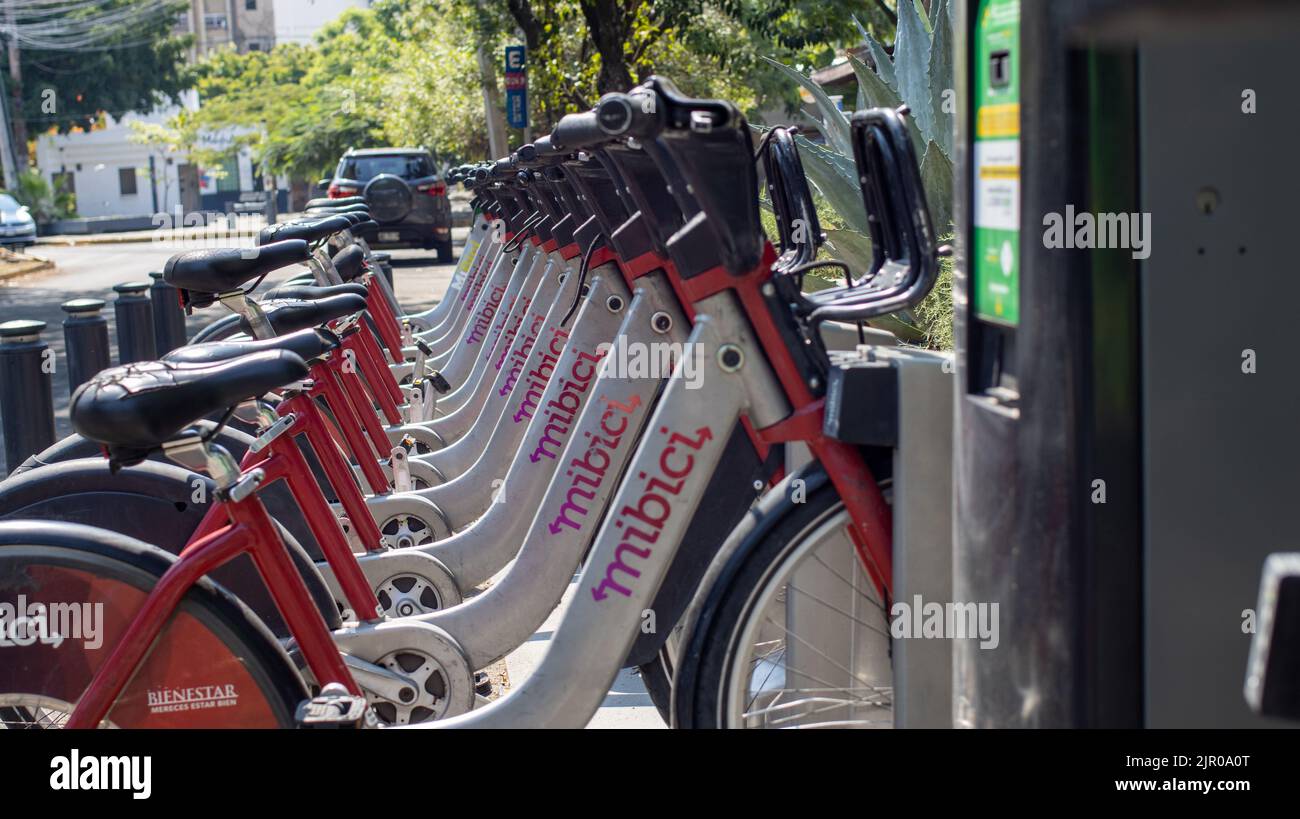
377 680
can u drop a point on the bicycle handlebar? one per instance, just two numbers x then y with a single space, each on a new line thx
634 114
546 148
576 131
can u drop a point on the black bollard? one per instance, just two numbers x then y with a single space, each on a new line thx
85 340
168 317
26 374
134 314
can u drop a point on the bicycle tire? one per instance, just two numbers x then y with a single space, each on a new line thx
214 664
705 666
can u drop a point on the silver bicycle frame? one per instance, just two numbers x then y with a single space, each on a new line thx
460 303
490 441
577 499
554 419
435 315
638 540
500 266
507 276
457 412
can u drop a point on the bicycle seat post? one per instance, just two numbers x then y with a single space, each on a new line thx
322 268
239 302
193 452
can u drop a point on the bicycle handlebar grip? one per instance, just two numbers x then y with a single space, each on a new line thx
635 114
502 168
526 153
576 131
546 148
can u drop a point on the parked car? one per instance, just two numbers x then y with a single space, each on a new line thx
17 227
406 194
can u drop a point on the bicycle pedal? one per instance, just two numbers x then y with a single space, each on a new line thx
439 382
335 707
482 684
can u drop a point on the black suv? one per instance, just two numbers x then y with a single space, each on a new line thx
406 195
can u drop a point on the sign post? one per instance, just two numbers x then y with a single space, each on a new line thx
516 87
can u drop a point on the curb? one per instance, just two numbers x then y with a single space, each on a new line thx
94 239
9 270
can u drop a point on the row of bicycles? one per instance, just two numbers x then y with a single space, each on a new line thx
326 511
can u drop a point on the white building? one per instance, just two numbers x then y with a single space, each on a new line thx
113 173
297 21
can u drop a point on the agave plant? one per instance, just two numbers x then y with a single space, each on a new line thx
920 75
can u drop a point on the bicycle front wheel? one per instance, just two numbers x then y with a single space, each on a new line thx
69 594
799 635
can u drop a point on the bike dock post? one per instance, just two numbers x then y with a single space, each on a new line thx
135 330
384 261
85 340
26 370
899 398
168 318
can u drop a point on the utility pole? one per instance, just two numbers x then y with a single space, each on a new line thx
200 26
6 146
19 143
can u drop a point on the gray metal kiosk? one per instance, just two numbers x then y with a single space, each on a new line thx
1127 451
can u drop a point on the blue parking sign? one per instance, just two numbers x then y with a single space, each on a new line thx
516 87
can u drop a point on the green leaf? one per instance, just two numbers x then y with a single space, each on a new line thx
935 7
884 65
936 178
912 64
878 94
928 22
941 80
836 178
851 247
834 126
902 324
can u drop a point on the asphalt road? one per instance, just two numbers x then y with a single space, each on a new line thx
90 271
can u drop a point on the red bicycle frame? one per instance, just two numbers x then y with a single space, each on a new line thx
870 517
250 531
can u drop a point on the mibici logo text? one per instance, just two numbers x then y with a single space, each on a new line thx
644 520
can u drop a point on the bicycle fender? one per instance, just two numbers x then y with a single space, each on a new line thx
157 503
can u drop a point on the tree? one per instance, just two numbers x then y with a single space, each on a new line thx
110 57
580 49
407 71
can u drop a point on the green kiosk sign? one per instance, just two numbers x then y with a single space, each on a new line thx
995 250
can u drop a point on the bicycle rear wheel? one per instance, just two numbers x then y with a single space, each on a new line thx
69 593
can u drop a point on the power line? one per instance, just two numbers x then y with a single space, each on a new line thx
73 25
